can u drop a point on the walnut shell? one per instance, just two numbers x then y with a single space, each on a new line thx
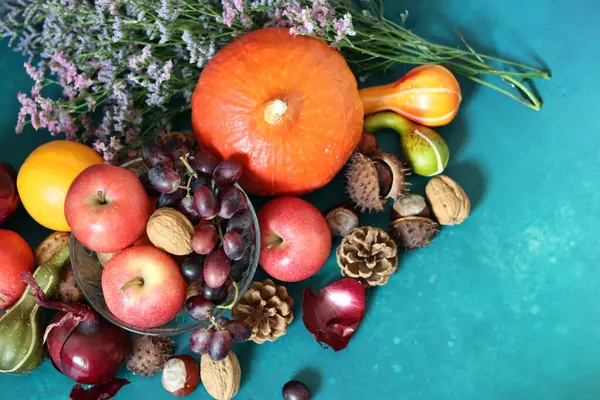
448 200
50 246
171 231
221 379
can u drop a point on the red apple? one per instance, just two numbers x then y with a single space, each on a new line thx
9 198
143 287
15 257
295 239
107 208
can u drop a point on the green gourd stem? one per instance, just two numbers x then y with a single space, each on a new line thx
387 119
22 325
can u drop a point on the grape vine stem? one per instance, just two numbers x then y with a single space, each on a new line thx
235 298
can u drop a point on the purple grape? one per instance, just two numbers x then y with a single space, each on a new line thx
227 173
216 268
153 155
205 239
201 180
230 199
192 268
240 222
250 238
239 267
199 308
206 203
223 322
295 390
220 345
240 331
171 200
205 162
234 245
164 179
201 339
186 206
150 191
216 295
176 148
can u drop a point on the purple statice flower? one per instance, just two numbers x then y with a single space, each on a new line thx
107 73
234 9
117 29
28 109
63 68
67 125
136 60
201 50
169 10
343 27
115 143
105 151
165 31
33 73
321 13
82 82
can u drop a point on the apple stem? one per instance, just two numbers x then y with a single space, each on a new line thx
137 281
235 298
274 241
101 196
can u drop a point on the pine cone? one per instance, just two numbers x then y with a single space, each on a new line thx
369 255
267 308
149 354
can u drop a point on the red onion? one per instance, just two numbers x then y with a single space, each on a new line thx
333 314
82 346
103 391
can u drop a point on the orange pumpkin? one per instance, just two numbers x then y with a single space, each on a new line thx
428 95
286 107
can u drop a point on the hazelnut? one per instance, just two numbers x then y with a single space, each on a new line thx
341 220
409 206
181 375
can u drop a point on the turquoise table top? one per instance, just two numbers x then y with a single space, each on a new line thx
504 306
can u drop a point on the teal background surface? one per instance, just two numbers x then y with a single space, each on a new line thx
503 306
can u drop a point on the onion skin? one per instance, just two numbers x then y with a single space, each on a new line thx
333 314
102 346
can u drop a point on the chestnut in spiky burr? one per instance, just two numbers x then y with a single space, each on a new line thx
371 181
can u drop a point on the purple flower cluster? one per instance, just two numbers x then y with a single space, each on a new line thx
234 9
128 63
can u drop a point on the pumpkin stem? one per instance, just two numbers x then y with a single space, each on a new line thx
275 110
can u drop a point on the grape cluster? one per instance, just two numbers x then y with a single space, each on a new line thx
203 189
215 340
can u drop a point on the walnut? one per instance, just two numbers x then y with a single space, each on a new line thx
171 231
448 200
221 379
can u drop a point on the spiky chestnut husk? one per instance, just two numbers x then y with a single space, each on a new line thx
149 354
370 182
414 232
